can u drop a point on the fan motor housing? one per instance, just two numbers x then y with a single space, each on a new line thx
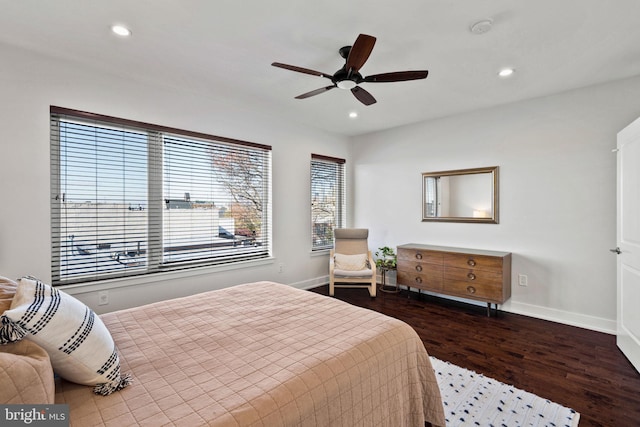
342 75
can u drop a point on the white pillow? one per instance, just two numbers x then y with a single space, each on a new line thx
79 345
351 262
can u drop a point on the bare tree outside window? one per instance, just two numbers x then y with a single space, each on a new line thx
241 174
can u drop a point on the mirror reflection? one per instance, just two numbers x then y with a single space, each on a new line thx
465 195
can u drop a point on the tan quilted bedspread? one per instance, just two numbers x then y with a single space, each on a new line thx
262 354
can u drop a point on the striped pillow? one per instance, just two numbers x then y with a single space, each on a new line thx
79 345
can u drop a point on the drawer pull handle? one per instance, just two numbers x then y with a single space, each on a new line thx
418 279
418 268
418 255
471 276
471 262
471 289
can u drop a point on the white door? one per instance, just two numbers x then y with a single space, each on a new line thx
628 237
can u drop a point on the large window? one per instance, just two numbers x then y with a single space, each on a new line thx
327 199
130 198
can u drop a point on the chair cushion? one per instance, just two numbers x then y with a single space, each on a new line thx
356 262
367 273
78 343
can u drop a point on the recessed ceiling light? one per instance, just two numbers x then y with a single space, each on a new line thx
121 30
506 72
353 114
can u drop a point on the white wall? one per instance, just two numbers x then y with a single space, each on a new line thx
557 183
30 84
557 193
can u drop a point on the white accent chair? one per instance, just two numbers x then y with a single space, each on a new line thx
350 249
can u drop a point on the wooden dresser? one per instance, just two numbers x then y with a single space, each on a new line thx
467 273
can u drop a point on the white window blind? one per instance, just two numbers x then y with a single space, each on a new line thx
327 199
214 198
130 198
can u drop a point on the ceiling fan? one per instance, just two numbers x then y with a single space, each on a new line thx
349 77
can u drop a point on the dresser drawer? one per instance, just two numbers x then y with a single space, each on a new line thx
467 289
470 275
421 268
477 262
419 255
429 280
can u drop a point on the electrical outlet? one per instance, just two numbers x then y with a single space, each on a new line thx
523 280
103 297
281 268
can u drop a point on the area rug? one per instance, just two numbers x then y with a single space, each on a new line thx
471 399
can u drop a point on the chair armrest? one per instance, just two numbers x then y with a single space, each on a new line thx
331 262
372 263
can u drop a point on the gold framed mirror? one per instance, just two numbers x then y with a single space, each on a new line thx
464 195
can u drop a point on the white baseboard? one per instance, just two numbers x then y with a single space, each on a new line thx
593 323
598 324
311 283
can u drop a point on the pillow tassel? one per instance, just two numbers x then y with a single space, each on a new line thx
106 389
10 331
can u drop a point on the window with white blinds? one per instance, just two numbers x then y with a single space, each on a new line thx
327 199
129 198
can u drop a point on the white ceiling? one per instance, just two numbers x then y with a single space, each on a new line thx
225 48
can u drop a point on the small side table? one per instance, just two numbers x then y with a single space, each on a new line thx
392 289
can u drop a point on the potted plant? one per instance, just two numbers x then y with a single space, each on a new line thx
386 258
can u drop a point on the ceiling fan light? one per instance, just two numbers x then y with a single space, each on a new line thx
346 84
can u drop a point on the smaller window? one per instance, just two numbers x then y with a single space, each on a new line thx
327 199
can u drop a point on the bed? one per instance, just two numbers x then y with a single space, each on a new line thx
261 354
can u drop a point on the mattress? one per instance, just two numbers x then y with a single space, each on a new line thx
262 354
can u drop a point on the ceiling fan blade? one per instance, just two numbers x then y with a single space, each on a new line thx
398 76
301 70
363 96
360 52
315 92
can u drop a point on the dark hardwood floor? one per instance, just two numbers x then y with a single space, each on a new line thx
574 367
